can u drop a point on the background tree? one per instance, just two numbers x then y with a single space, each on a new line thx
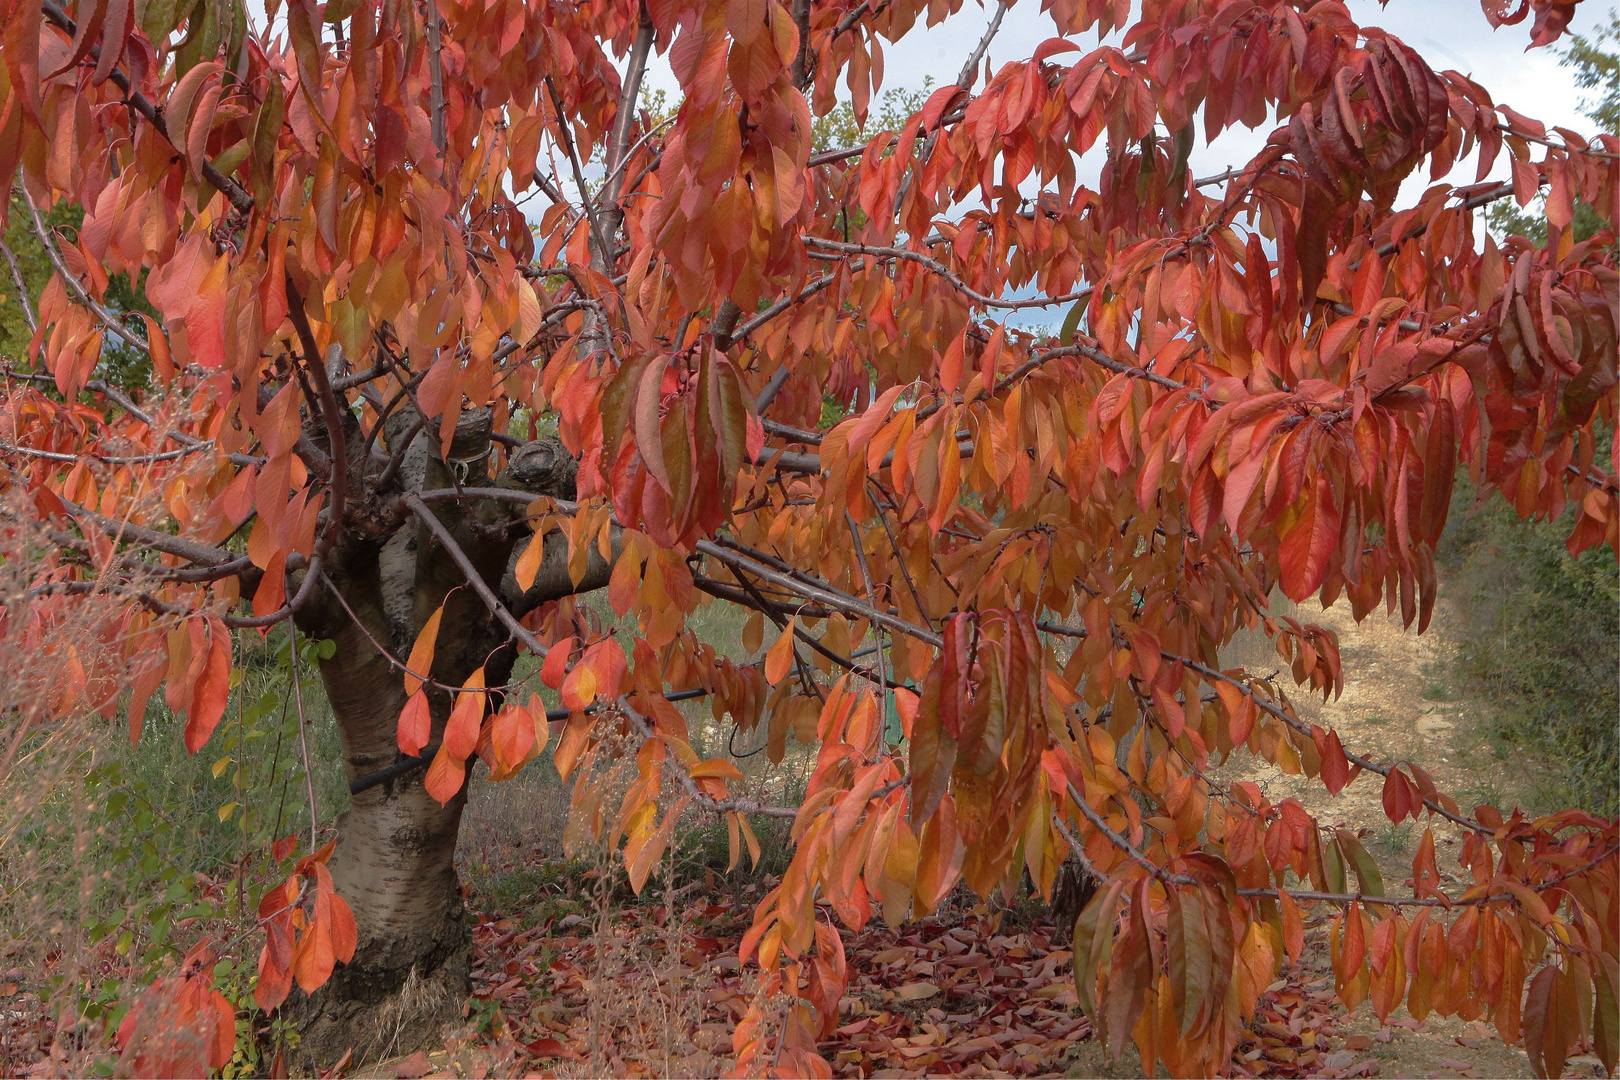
1595 69
1265 378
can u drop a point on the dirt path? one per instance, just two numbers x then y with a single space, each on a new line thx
1401 702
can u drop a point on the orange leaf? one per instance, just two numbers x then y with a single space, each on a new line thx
314 959
444 776
461 731
719 768
579 688
345 934
1293 926
274 983
213 687
512 735
415 724
420 663
780 658
555 667
528 564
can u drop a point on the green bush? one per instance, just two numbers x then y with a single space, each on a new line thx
1541 636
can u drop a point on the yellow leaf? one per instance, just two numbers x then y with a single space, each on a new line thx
421 659
780 659
529 315
750 839
227 810
221 765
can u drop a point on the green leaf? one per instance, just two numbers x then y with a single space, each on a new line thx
1071 322
1372 882
1093 944
1333 864
1191 956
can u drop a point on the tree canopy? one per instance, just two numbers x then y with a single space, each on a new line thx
1263 380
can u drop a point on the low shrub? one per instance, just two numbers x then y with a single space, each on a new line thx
1541 636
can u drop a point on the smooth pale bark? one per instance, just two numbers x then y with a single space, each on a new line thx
394 862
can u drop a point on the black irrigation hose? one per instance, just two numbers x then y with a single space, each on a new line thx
406 766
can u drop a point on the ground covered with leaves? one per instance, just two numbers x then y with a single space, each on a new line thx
653 989
576 978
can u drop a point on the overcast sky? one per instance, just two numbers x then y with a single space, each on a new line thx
1447 33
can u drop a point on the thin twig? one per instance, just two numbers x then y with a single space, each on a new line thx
104 316
693 791
303 742
871 598
22 288
331 416
971 68
470 572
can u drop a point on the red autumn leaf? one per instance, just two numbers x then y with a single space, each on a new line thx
212 689
415 724
555 666
466 718
1335 766
445 775
1306 547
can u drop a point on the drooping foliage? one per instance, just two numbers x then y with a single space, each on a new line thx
1264 379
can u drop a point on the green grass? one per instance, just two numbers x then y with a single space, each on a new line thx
1540 643
1394 839
130 853
533 894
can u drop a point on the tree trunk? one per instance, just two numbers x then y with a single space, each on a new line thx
1071 892
394 861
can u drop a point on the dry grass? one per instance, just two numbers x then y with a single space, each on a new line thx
54 680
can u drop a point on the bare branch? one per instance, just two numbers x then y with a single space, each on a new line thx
604 247
971 68
473 577
107 318
824 594
772 387
759 320
331 415
436 79
625 118
946 273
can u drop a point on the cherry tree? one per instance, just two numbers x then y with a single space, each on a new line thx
1019 553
